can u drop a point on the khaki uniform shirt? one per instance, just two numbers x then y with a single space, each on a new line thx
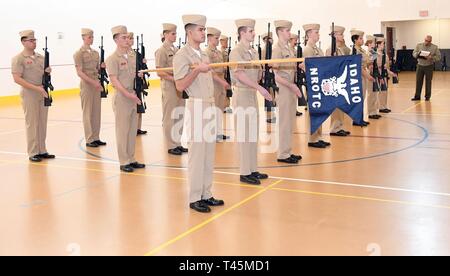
312 51
203 86
340 51
286 70
30 68
244 53
123 66
225 54
366 62
215 56
433 49
88 60
164 58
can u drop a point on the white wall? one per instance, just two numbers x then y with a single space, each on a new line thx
409 33
49 17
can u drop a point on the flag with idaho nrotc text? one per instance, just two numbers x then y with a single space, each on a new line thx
334 82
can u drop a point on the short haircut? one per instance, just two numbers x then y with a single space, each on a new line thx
354 38
308 33
243 29
189 27
240 30
279 29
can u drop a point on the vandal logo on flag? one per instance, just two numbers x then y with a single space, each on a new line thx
336 86
334 82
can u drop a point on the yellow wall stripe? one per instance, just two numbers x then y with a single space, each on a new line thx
15 100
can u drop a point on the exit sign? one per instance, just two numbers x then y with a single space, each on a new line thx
424 13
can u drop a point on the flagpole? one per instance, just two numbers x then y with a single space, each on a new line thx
233 64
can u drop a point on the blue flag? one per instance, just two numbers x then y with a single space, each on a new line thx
334 82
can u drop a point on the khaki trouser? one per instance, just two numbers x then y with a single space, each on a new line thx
422 72
383 97
366 85
220 97
173 114
316 136
287 108
337 121
227 102
373 101
126 128
139 125
246 115
202 147
36 115
92 107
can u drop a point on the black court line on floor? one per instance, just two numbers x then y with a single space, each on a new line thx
419 142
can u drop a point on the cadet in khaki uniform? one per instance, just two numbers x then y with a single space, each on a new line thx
337 118
121 67
288 94
199 84
358 42
172 100
27 69
383 97
245 102
311 50
87 64
224 50
215 56
374 90
131 44
425 67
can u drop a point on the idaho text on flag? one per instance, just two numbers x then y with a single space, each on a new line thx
334 82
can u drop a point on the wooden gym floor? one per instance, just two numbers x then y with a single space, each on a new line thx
383 191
